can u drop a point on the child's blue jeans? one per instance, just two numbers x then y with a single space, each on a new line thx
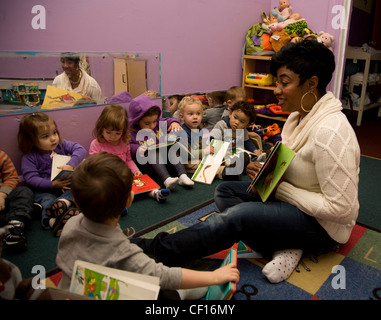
46 199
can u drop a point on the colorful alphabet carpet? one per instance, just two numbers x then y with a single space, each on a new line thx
351 273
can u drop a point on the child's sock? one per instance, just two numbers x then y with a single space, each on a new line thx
67 202
283 264
184 180
51 222
160 195
170 183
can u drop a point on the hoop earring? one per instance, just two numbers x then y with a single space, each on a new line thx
301 101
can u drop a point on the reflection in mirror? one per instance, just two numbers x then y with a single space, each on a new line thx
32 81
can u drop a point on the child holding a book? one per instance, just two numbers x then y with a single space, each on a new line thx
232 128
39 140
101 187
148 130
112 136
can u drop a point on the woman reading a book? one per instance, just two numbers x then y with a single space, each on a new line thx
315 206
76 79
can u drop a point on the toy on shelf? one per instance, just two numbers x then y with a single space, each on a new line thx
260 79
272 133
24 93
326 39
270 109
277 109
282 12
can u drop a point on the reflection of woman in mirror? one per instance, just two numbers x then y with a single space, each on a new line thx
76 79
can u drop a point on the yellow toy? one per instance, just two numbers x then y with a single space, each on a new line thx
260 79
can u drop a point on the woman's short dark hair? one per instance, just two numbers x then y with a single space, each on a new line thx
307 58
71 56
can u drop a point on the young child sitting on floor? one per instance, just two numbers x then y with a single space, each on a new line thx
101 187
233 129
213 113
39 140
148 129
112 136
16 204
233 95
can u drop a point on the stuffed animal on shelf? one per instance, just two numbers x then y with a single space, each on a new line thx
326 39
282 12
272 133
268 20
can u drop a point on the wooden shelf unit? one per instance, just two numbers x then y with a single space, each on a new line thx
250 66
369 59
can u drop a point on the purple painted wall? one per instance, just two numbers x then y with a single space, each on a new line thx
200 41
74 124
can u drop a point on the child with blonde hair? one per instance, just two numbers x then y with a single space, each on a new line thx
190 111
39 140
112 136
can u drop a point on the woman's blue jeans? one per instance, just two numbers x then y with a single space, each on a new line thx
265 227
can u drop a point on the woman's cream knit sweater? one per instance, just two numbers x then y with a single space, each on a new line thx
322 179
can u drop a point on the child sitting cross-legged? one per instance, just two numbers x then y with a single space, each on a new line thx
101 187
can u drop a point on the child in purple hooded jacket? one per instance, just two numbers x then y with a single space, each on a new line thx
39 140
148 129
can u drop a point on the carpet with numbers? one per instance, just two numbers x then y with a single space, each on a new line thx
351 273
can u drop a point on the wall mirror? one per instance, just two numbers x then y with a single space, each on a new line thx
26 79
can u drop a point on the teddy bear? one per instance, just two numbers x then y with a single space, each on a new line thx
282 12
326 39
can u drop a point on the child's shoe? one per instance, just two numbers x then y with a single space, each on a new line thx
15 238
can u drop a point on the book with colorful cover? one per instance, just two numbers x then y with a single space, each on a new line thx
60 98
143 183
224 291
210 163
104 283
272 170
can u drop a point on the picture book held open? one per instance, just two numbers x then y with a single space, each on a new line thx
210 163
103 283
272 170
60 98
